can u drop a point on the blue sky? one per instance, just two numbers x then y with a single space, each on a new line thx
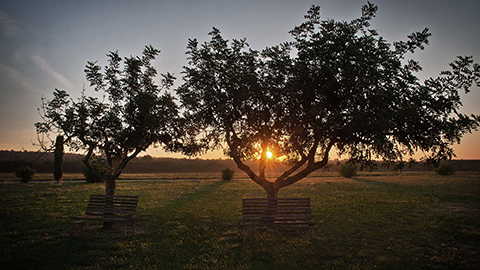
45 44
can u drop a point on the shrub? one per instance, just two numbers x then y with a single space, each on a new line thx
445 169
25 173
348 170
94 177
227 174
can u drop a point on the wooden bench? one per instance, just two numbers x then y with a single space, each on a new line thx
115 209
259 212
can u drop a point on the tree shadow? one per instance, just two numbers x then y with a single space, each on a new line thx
378 183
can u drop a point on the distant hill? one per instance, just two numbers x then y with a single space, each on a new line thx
43 163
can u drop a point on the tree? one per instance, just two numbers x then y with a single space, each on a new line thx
337 85
132 115
58 159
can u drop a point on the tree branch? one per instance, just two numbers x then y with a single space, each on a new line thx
233 145
311 167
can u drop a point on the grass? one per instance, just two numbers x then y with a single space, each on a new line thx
48 177
405 221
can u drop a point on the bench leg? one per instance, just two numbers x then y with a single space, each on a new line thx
134 227
312 232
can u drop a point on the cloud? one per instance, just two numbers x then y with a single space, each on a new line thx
16 76
43 64
8 25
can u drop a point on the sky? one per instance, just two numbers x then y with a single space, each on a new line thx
46 44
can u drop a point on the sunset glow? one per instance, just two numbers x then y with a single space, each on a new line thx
269 154
38 36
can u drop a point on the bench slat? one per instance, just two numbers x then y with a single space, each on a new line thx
117 208
259 212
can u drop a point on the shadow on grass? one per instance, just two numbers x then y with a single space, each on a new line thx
379 183
192 196
201 230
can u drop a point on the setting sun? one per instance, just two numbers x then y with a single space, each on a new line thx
269 154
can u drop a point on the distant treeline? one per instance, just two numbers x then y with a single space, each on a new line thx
43 163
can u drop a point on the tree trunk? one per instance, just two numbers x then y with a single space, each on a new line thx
270 188
109 191
272 194
109 186
58 160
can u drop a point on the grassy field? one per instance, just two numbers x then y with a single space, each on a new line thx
43 177
373 221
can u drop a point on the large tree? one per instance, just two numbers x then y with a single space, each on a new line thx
132 114
336 86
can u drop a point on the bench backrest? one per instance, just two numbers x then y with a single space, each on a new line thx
120 206
281 210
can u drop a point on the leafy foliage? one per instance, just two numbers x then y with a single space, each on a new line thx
25 173
227 174
97 172
132 115
445 169
337 85
348 170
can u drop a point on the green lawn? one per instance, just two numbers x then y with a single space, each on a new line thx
406 221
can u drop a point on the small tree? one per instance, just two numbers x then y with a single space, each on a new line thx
337 85
58 159
133 114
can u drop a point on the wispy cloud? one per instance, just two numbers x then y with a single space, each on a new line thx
17 77
43 64
8 25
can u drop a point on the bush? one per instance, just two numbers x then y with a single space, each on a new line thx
25 173
445 169
92 177
348 170
227 174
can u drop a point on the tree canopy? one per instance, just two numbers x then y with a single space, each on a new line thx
132 114
337 85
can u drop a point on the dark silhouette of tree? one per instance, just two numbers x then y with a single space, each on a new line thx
58 158
131 116
337 85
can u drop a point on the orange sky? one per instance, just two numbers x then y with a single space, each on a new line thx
45 44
